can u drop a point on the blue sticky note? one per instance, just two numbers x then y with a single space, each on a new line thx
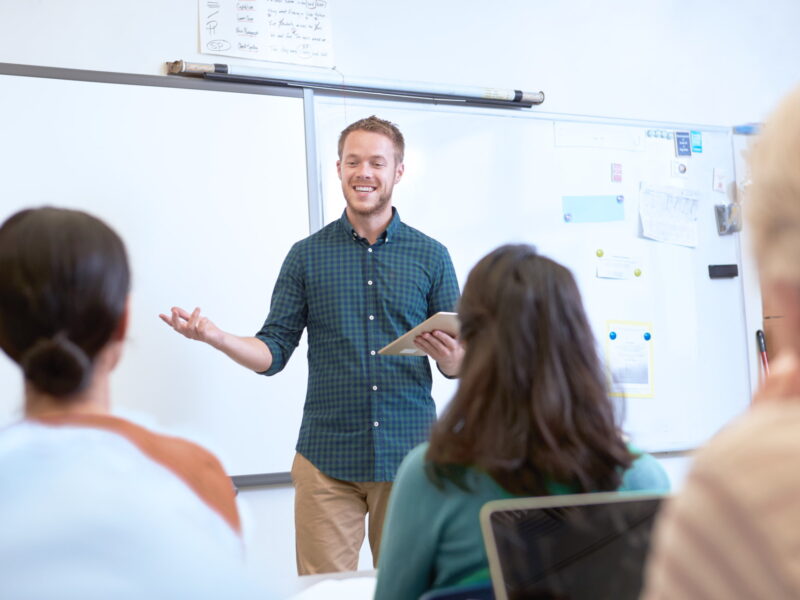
697 141
593 209
683 143
746 129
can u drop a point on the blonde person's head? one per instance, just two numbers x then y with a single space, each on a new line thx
774 197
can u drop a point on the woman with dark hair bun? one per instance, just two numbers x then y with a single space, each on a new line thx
531 417
93 505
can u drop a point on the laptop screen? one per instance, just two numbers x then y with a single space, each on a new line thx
569 547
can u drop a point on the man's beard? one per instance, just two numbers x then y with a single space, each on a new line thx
383 200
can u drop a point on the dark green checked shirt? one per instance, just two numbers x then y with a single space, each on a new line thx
363 411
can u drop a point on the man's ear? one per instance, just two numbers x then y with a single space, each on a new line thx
339 169
398 173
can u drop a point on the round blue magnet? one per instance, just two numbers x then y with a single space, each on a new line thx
620 199
647 336
613 335
567 217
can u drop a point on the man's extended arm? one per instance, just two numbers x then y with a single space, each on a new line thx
249 352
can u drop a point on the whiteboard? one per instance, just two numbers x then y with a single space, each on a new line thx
208 190
476 178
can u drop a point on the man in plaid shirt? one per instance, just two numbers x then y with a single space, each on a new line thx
357 284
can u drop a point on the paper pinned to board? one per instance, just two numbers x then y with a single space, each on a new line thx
617 260
273 30
593 209
669 214
616 267
629 352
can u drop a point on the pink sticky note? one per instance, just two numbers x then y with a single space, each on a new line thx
616 172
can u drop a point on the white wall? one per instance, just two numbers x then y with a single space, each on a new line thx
712 62
268 522
717 62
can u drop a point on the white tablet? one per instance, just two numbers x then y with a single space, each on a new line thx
404 345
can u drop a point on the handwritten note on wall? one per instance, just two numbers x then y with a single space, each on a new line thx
288 31
669 214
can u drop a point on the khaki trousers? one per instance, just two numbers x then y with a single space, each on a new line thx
329 518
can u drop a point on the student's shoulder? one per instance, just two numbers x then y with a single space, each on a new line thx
197 467
194 465
645 474
177 454
186 458
170 449
749 469
412 475
414 461
767 432
415 473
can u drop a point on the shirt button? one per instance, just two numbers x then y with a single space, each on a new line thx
369 282
374 388
372 317
372 352
369 249
375 424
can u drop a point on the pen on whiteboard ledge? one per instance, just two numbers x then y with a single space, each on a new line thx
333 80
762 350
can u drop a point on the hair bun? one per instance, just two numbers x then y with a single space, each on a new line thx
56 366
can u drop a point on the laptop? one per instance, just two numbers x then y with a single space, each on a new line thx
569 547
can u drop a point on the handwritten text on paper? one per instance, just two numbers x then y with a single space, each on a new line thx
288 31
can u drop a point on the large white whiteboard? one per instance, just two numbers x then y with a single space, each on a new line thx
477 178
208 189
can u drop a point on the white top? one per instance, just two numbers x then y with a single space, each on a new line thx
85 514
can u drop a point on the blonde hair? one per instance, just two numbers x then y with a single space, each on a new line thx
773 204
376 125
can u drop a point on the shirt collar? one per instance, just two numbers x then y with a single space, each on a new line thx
389 233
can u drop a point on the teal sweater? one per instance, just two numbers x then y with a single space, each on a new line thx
432 537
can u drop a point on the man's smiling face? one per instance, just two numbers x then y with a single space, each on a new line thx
368 170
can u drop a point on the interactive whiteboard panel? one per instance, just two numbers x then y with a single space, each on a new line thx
208 190
580 189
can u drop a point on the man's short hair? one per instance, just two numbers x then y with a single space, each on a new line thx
377 125
773 200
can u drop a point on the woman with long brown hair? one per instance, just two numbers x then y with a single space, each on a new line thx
532 416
